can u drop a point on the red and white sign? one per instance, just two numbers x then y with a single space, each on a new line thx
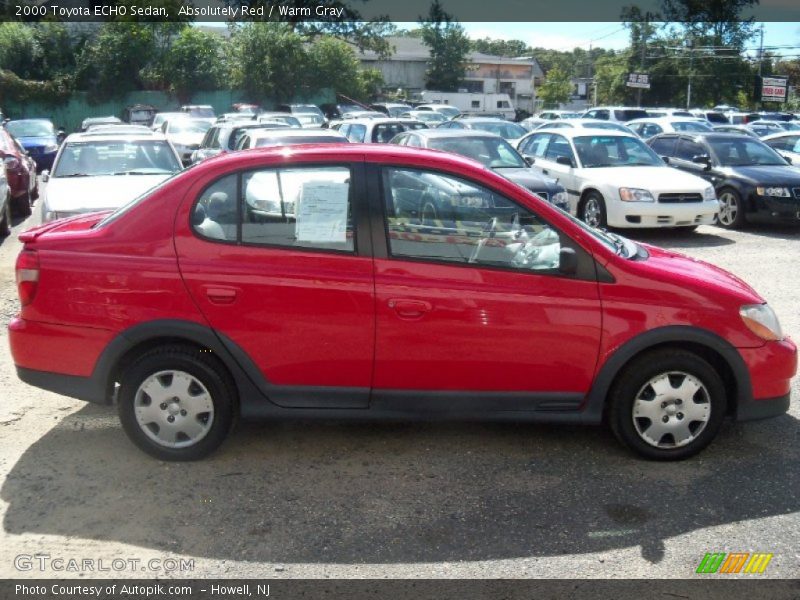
773 89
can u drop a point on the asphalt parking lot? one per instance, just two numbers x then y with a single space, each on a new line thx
404 500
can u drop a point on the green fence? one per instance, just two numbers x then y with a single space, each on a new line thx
70 115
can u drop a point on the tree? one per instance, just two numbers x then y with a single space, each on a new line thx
449 46
512 48
195 62
19 51
333 64
556 89
610 73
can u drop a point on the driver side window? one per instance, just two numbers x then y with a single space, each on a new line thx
439 217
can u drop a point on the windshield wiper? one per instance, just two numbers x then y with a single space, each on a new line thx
73 175
619 245
148 172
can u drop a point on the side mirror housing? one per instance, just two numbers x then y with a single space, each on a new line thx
529 160
564 160
665 159
45 176
787 159
567 261
702 159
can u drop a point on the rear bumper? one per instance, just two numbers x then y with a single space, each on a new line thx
754 410
89 389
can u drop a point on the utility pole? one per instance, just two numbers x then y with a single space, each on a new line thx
761 62
643 41
591 74
691 63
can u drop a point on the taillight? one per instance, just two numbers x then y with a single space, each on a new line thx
27 275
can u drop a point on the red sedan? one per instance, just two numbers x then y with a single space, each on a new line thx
20 172
304 283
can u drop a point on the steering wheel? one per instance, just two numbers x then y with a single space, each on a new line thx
489 231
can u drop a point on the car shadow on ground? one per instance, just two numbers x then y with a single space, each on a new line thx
386 493
676 238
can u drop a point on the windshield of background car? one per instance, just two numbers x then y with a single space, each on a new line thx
126 207
202 113
187 126
310 119
448 111
307 109
743 152
609 126
30 128
430 116
507 131
690 126
630 114
286 141
82 159
491 152
396 111
597 151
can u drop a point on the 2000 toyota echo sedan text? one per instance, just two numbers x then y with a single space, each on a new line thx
303 283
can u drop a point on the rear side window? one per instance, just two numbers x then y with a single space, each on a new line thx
536 145
357 132
688 149
385 132
664 146
304 207
716 117
629 115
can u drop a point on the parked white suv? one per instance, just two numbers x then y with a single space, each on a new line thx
614 179
620 114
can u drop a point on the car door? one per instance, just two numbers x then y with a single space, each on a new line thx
685 151
273 261
472 311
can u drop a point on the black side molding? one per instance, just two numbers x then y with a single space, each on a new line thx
754 410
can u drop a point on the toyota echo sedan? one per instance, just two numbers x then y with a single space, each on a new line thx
196 310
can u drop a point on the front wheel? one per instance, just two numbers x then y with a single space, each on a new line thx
176 403
593 211
667 405
731 210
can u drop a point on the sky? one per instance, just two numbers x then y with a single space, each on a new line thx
566 36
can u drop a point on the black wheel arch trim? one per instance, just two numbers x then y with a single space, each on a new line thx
595 405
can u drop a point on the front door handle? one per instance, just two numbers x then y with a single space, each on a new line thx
220 295
410 309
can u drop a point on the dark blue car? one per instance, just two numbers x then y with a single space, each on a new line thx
38 137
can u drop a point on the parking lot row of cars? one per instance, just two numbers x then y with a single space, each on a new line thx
607 172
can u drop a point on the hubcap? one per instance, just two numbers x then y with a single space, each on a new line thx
671 410
591 213
728 208
174 409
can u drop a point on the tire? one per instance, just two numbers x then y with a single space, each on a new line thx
593 211
5 225
22 205
731 212
688 384
203 401
428 215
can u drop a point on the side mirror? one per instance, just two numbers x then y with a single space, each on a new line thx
529 160
787 159
665 159
702 159
564 160
45 176
568 261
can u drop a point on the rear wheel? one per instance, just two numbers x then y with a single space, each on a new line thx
667 405
176 403
22 205
5 224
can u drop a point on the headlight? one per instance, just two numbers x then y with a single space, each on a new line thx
709 193
560 198
762 321
635 195
50 148
779 192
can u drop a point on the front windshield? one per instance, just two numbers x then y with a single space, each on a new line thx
396 111
570 115
448 111
96 158
310 119
308 109
202 112
491 152
429 117
598 151
743 152
187 126
30 128
507 131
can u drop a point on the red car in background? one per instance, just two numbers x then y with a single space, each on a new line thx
20 172
304 282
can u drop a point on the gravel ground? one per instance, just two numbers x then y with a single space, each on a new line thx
403 500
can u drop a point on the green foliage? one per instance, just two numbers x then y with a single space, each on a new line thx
16 89
511 48
448 45
333 64
610 76
19 51
194 62
557 88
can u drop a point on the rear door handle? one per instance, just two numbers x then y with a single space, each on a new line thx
221 295
410 309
